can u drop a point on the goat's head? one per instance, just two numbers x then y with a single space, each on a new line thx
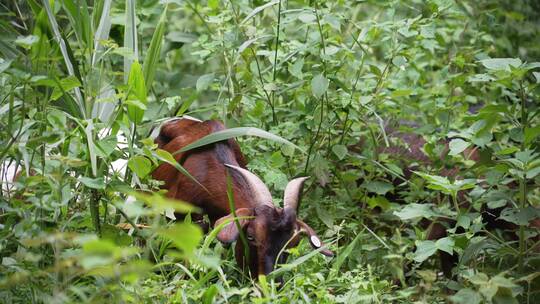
269 230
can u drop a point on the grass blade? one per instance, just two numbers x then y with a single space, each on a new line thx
103 29
235 132
290 266
258 9
79 17
103 110
165 156
152 57
232 208
65 54
343 256
89 130
130 36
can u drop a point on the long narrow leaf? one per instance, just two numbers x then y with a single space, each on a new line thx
103 110
79 18
103 29
65 54
256 10
344 255
290 266
165 156
130 36
212 235
152 57
232 207
235 132
89 131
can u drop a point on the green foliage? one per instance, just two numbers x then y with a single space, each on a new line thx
348 83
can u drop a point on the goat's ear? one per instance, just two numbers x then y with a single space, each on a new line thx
313 238
229 233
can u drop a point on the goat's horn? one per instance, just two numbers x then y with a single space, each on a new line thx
293 192
258 188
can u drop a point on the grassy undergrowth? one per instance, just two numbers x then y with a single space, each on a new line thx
406 113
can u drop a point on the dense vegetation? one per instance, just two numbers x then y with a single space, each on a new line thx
406 115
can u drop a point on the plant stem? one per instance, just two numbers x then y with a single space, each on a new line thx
274 73
522 180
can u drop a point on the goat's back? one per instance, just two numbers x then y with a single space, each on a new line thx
205 164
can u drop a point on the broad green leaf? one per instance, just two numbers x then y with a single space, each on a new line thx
476 245
235 132
161 203
440 183
140 165
466 296
424 249
505 296
136 104
480 78
94 183
307 17
7 261
379 187
531 134
116 235
501 63
319 85
435 179
378 201
136 92
400 93
204 82
181 37
537 76
458 145
532 173
333 21
67 85
463 221
340 151
4 64
185 236
296 68
414 210
445 244
407 32
213 4
399 61
210 293
519 217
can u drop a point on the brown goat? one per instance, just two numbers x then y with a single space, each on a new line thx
268 229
